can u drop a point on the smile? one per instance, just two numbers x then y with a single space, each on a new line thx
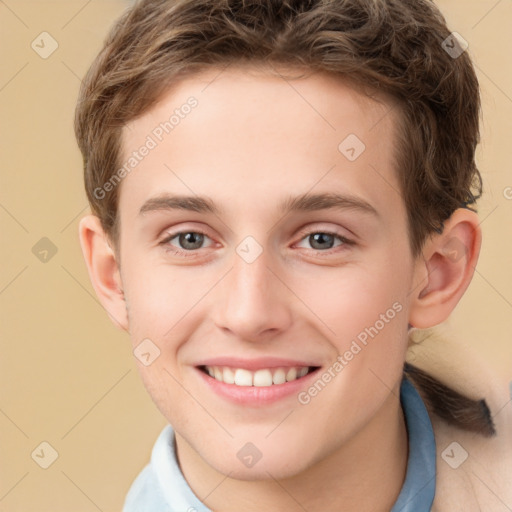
260 378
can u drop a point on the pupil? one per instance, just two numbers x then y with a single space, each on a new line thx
321 238
195 239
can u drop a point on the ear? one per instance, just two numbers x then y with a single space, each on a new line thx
103 269
444 269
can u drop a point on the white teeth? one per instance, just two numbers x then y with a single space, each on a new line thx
279 376
260 378
291 374
243 377
229 376
302 372
218 374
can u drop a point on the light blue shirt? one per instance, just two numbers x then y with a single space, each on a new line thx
161 486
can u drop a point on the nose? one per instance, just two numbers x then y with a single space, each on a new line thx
254 302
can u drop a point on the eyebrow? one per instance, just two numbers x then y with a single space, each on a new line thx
304 203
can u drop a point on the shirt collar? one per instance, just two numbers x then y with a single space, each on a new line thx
417 494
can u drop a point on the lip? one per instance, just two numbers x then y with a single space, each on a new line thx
259 363
256 396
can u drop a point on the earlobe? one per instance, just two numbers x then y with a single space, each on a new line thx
103 269
445 269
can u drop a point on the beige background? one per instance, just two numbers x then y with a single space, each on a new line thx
67 376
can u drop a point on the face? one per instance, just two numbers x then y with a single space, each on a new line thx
261 234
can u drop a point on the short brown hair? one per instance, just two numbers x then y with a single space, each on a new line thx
389 46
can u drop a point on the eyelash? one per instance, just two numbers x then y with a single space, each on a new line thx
304 235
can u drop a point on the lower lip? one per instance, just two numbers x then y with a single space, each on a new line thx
257 395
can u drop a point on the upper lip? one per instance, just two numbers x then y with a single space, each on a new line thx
258 363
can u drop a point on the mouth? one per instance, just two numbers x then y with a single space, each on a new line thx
264 377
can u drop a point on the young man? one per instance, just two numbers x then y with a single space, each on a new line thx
280 192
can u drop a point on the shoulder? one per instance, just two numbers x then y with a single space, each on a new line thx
474 472
161 486
144 494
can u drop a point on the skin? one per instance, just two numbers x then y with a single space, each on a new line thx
253 140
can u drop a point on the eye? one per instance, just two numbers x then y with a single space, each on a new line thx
189 241
324 240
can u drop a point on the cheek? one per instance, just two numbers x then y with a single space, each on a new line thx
347 300
163 298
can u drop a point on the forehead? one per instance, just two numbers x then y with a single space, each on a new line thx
253 135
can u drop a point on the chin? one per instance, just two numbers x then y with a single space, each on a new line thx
273 466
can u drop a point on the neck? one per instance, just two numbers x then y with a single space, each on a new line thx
367 473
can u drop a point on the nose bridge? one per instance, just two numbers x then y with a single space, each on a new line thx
253 299
250 278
